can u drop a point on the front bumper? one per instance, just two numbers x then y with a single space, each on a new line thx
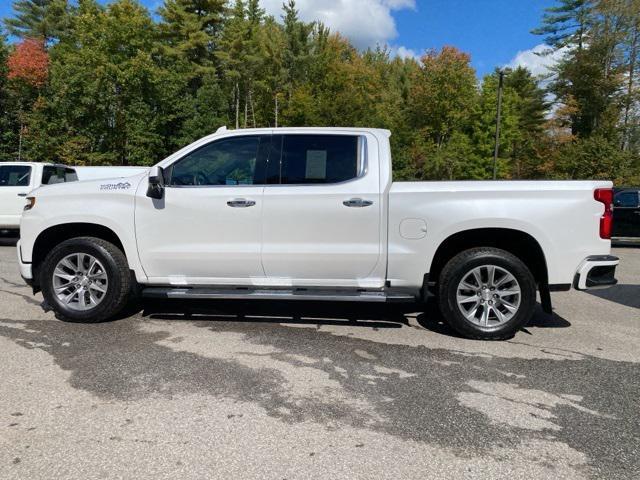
25 268
596 272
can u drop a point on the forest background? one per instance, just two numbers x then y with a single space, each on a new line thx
90 84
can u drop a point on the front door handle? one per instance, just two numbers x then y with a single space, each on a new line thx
22 194
241 203
357 203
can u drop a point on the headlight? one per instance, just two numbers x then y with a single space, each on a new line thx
31 202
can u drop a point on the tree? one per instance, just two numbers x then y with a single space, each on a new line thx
530 109
191 104
588 75
105 88
595 158
442 94
297 51
44 19
567 24
628 13
9 123
484 126
189 30
28 69
29 63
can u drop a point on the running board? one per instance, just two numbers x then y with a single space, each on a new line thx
275 294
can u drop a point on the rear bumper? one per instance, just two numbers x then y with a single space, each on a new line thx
596 272
25 268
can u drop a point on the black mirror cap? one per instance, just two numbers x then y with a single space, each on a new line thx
156 185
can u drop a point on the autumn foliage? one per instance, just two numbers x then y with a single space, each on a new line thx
29 62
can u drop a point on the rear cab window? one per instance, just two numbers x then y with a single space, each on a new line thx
307 159
58 174
15 175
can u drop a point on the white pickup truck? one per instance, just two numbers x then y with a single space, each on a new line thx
17 179
313 214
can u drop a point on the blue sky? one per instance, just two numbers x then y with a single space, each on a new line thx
494 32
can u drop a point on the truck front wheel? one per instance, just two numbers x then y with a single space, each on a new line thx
85 279
486 293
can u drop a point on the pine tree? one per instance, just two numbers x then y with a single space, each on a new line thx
588 74
43 19
567 24
530 108
189 33
190 30
297 52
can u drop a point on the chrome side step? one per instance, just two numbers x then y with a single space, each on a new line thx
275 294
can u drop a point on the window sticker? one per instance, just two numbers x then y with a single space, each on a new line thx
316 165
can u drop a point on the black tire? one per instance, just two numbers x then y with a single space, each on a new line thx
459 266
115 264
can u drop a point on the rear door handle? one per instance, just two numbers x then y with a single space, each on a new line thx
241 203
357 203
22 194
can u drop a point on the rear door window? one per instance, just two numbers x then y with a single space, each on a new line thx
15 175
316 159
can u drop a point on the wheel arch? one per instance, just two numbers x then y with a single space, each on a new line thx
519 243
56 234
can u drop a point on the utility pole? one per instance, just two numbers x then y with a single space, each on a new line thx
498 115
20 144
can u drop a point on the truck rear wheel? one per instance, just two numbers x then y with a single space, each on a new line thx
85 279
486 293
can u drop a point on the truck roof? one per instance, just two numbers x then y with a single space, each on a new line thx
31 164
275 130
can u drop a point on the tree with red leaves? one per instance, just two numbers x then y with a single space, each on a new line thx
29 62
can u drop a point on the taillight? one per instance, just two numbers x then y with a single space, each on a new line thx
605 195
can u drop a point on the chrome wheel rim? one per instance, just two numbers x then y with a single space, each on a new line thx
488 296
80 281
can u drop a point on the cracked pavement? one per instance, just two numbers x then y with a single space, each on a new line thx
281 391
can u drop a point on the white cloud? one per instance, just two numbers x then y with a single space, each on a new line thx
404 52
366 23
537 60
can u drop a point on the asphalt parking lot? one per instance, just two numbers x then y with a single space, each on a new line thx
280 391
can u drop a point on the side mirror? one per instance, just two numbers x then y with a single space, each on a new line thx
156 183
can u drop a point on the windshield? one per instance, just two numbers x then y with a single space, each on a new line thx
14 175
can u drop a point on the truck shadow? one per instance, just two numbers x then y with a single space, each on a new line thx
301 313
625 294
374 316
